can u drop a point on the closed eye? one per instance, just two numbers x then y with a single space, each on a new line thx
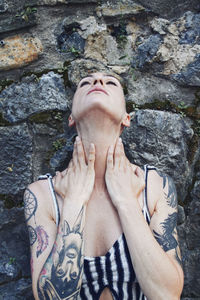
84 83
111 82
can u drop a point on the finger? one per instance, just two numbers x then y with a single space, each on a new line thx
80 151
117 154
139 172
57 180
64 172
70 164
110 158
91 157
75 155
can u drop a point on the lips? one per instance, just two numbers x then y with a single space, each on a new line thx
97 90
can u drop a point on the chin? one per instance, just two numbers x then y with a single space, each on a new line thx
98 111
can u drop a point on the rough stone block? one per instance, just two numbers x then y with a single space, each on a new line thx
54 2
3 6
189 75
19 51
14 255
20 101
15 23
171 8
110 10
15 159
161 139
147 50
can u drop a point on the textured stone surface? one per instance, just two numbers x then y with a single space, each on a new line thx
3 6
15 159
54 2
90 26
14 255
19 101
143 88
160 138
170 8
19 51
71 43
191 74
146 51
118 9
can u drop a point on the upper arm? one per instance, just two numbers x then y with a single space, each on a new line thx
164 219
41 227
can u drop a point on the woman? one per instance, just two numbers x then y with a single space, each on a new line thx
103 228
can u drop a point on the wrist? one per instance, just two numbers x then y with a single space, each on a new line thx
124 205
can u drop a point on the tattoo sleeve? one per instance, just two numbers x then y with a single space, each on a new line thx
61 275
168 238
36 232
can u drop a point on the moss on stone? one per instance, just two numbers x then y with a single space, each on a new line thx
5 83
4 122
8 200
52 118
58 144
63 71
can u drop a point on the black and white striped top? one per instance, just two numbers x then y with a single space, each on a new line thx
113 270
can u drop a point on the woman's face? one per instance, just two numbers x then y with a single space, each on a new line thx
98 91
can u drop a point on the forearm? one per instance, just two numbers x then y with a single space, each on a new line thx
155 271
61 274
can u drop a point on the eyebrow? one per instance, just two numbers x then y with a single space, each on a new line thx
107 75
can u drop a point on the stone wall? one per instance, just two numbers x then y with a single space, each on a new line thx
46 46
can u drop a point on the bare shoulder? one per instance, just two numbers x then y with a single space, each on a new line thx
38 193
161 190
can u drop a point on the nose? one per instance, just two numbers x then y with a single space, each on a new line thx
98 80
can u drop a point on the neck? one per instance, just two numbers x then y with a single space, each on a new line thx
102 133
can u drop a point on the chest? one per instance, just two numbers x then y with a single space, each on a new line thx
102 226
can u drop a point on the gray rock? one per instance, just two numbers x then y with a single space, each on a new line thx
146 51
190 75
3 6
17 290
161 139
193 226
20 101
12 23
145 88
171 8
191 274
191 34
16 6
82 1
117 9
80 68
71 43
14 253
15 159
181 215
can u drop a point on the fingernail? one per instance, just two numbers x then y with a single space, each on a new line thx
120 140
77 138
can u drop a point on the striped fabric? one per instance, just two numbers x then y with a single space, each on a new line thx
113 270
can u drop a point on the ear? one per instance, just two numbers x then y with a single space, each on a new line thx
71 121
126 120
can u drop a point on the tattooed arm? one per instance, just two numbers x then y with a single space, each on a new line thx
153 249
57 253
165 231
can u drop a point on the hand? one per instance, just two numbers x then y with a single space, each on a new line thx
76 183
124 181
